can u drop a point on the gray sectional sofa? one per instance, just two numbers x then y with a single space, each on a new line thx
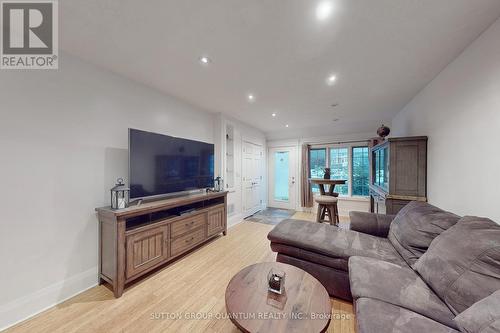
419 271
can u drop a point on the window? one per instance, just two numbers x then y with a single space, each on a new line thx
317 162
350 163
360 171
339 168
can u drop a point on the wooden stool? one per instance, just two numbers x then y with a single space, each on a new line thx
327 207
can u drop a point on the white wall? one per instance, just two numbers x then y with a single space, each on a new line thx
242 132
460 112
63 143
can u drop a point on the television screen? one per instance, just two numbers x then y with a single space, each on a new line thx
161 164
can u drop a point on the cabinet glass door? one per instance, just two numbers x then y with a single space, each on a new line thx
381 168
385 172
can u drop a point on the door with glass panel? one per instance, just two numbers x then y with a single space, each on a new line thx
283 177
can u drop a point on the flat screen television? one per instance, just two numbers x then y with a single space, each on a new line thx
161 164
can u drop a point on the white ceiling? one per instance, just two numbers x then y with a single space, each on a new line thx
382 52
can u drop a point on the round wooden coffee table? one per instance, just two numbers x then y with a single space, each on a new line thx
303 307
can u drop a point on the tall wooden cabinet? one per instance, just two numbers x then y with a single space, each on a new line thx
399 173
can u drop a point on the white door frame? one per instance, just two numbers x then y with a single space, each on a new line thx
292 178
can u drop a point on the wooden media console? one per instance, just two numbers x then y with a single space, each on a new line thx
140 238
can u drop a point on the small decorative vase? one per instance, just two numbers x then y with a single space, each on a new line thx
383 131
327 173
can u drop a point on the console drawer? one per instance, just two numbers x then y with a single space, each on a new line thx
179 228
184 243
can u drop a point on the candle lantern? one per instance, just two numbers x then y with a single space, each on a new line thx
119 195
276 281
218 184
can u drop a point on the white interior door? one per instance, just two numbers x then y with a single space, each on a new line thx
283 177
251 177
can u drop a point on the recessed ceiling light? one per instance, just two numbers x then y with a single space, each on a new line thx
251 98
331 80
273 114
324 10
204 60
286 125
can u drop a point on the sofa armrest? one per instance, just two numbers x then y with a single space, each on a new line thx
370 223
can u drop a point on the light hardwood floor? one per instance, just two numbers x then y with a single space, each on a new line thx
194 284
344 221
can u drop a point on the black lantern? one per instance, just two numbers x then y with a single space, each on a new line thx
119 195
218 184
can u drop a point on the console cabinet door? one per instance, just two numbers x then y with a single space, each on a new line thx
216 221
146 249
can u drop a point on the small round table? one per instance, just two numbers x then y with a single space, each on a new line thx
322 182
303 307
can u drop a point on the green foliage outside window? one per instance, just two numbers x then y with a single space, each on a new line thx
360 171
339 163
317 162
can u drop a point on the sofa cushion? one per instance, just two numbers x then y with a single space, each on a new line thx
314 257
371 223
335 281
374 316
483 316
401 286
462 265
415 227
303 239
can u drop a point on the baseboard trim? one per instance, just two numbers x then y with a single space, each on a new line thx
30 305
234 220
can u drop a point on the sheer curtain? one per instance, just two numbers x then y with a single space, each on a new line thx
306 196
